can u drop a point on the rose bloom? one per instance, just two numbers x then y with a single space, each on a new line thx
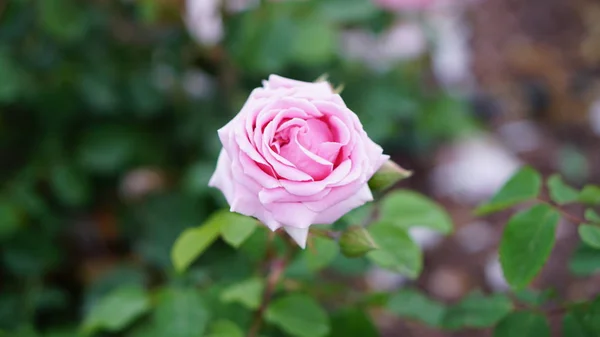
294 156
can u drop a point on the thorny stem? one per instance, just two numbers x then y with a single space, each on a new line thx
276 268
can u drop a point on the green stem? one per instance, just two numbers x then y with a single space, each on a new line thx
277 267
574 218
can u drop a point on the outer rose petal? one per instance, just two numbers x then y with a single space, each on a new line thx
221 178
298 234
335 212
292 214
238 196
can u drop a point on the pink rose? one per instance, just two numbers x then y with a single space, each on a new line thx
399 5
294 156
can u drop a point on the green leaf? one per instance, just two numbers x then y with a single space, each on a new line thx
590 195
12 84
262 43
356 242
64 19
108 149
352 322
397 251
377 299
408 209
144 330
225 328
25 331
359 214
526 244
320 253
180 313
98 90
10 219
535 298
585 261
572 328
587 317
412 304
477 311
255 248
592 216
322 38
345 266
70 186
237 228
298 315
69 332
387 176
196 178
117 310
560 192
347 10
522 186
51 299
31 253
573 163
230 311
590 235
523 324
194 241
248 293
148 11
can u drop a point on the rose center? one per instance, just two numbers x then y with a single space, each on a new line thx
281 139
307 144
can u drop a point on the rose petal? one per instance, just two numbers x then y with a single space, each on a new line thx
338 195
221 178
329 151
250 168
292 214
244 145
300 235
268 196
281 165
314 187
288 102
338 210
304 160
316 132
340 131
238 196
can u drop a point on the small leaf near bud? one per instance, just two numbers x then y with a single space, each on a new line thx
338 90
322 78
388 175
356 242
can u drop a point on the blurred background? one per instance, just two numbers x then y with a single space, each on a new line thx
109 111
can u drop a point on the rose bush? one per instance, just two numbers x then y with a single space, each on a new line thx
294 156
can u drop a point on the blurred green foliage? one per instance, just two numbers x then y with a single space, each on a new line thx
108 119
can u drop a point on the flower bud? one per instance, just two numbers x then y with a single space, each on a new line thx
356 241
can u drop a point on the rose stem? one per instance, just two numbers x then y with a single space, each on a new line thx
276 268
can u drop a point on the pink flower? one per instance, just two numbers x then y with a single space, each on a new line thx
294 156
399 5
